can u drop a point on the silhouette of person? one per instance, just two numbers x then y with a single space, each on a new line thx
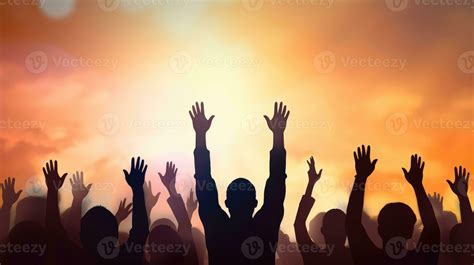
241 238
287 252
163 238
31 234
99 227
395 221
462 234
9 197
200 241
333 229
31 209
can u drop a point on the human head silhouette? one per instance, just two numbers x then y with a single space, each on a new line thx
333 228
163 221
241 199
161 238
396 220
97 224
27 233
314 228
31 209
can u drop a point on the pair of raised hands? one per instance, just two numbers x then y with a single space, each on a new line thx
54 182
277 123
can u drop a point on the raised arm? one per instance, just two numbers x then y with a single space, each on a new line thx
136 179
79 193
9 197
436 201
431 233
123 211
275 188
306 203
362 248
150 199
460 188
191 204
206 190
176 204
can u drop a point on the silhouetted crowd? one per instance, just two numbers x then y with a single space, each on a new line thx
41 235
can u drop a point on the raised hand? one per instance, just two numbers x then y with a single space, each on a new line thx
79 191
53 181
461 181
123 211
437 202
150 199
313 176
191 204
169 178
415 175
363 164
200 123
136 177
9 196
280 116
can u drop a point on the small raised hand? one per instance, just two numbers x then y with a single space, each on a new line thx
461 181
415 175
79 190
200 123
9 196
437 201
169 178
312 175
150 199
53 181
136 177
363 164
191 204
279 120
123 211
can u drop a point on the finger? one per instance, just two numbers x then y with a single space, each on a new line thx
363 150
197 108
267 119
142 165
18 194
455 172
44 172
132 164
374 162
309 164
89 187
125 172
450 183
13 183
284 110
55 165
275 108
320 172
211 118
202 108
194 111
63 177
423 166
464 172
404 171
280 107
82 177
359 152
144 170
70 181
287 115
467 178
368 150
191 115
442 199
355 156
3 188
48 168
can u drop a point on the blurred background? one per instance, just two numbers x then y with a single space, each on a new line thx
92 83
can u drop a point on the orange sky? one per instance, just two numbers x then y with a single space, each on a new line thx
119 81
